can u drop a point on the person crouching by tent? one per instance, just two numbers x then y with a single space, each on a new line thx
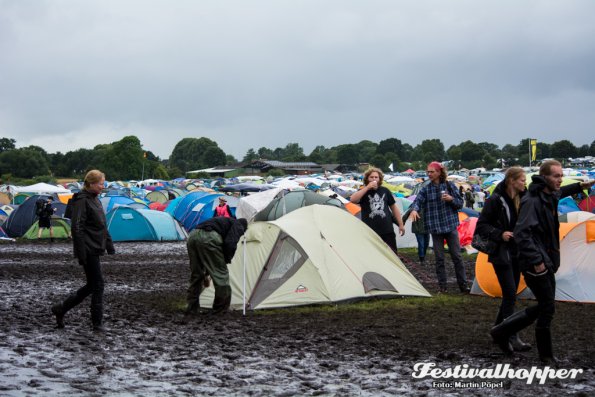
379 208
45 217
211 246
223 209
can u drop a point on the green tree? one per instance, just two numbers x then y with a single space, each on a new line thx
7 144
592 149
213 156
230 159
292 153
319 155
266 154
250 156
366 150
563 149
347 154
430 150
378 160
583 150
189 154
23 163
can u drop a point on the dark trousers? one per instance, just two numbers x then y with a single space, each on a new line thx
423 242
391 240
93 287
543 286
454 247
509 277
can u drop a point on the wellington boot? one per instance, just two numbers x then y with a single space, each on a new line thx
510 326
518 345
58 311
543 339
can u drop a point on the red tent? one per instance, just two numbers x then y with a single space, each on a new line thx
588 204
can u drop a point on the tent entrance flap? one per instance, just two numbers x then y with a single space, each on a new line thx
373 281
285 260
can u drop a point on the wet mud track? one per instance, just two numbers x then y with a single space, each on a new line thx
151 348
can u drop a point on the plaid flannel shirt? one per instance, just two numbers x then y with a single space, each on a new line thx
440 217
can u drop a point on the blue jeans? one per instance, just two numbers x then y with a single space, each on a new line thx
423 242
454 247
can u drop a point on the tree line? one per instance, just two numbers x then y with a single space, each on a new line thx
126 159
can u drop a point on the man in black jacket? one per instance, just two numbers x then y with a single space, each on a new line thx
538 238
211 246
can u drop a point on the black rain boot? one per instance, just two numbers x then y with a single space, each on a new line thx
97 318
543 339
58 311
510 326
518 345
222 299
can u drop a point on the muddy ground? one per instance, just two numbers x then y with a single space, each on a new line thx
151 348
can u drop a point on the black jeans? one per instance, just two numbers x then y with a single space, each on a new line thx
509 277
543 286
93 287
391 240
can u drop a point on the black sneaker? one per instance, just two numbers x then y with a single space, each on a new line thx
99 328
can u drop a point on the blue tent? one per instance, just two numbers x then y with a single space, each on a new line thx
109 202
184 207
173 204
200 210
566 205
21 219
131 224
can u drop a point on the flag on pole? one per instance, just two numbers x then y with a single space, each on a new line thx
533 149
390 167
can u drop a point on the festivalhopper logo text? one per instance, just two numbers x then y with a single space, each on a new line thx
499 372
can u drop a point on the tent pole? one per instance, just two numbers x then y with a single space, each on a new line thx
244 286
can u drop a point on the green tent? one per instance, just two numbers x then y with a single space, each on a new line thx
60 225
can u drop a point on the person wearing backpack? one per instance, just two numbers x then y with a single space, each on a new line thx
497 221
91 239
45 211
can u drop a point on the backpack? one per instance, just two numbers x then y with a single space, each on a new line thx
39 206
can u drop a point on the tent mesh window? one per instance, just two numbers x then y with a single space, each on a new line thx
373 281
285 260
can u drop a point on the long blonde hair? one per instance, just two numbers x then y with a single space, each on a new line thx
512 174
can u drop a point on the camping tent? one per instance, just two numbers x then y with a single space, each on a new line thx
131 224
60 225
249 205
109 202
285 202
315 254
41 188
21 219
575 279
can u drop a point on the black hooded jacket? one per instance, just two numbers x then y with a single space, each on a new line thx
89 228
497 216
537 230
230 230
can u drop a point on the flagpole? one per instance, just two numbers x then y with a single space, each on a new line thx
530 152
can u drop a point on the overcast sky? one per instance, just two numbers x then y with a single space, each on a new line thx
249 74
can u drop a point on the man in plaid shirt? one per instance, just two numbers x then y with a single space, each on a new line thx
441 202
